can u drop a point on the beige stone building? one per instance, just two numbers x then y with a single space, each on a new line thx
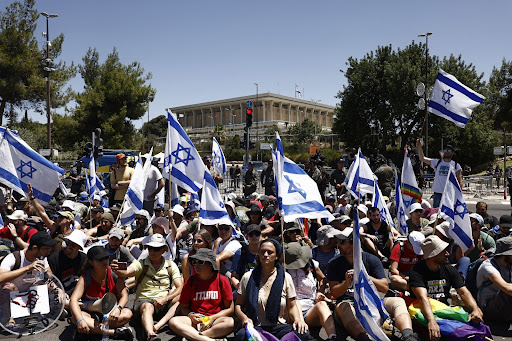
268 110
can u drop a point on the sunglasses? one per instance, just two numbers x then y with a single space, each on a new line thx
197 261
155 249
293 232
254 233
198 240
224 228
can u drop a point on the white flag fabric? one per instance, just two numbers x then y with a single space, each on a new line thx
360 178
182 161
370 311
410 190
93 180
453 100
175 195
213 210
453 209
297 193
21 165
134 197
219 161
298 93
401 216
378 201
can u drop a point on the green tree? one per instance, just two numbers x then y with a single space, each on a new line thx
500 88
22 81
114 95
156 126
303 133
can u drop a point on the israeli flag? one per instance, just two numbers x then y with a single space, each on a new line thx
134 197
219 161
1 221
182 163
378 201
175 195
453 100
370 311
453 209
212 210
410 190
297 193
401 216
360 178
20 165
92 179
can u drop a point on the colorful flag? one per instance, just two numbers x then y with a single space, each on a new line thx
410 190
297 193
360 178
370 311
453 100
20 165
219 161
453 209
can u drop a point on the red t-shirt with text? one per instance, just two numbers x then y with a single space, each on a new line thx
206 297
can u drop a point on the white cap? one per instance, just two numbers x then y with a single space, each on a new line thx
415 238
68 204
96 197
345 234
18 215
231 204
178 209
77 237
477 217
416 206
444 227
231 196
102 193
362 208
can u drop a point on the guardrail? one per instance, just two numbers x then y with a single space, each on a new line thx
478 185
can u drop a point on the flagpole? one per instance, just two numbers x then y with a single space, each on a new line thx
282 238
120 211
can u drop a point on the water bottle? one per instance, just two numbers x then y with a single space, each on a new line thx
40 274
105 328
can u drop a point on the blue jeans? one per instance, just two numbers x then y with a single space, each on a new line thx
462 266
278 331
437 199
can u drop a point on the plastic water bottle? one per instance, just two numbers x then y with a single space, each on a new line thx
105 328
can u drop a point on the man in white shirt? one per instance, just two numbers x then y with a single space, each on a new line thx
154 184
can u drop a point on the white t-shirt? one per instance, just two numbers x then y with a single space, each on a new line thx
24 281
168 255
232 246
305 286
442 173
151 183
491 290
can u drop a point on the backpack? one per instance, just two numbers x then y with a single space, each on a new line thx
472 272
145 271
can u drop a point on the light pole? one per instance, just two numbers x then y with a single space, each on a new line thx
232 122
257 120
425 94
48 68
314 108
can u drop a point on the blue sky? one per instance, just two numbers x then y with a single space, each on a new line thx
200 51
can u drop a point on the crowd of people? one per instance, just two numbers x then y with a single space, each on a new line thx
208 281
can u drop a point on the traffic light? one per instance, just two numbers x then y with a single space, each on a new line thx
244 141
88 149
242 144
248 117
98 143
252 145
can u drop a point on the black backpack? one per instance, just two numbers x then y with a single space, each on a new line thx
472 272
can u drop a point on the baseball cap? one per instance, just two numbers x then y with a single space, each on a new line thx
77 237
477 217
97 209
432 246
144 214
83 197
344 218
206 255
116 232
252 227
323 234
297 256
345 234
96 197
18 215
362 208
66 214
156 240
415 238
97 253
504 246
505 221
263 197
108 216
416 207
42 238
67 204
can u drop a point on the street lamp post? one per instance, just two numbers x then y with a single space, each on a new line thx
314 108
48 68
257 119
425 94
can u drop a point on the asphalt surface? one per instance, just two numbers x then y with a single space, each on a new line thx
61 330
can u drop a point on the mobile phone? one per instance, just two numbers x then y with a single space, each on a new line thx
122 265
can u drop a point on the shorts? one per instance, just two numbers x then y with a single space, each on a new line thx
159 312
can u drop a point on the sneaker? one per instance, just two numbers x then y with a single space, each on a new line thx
412 337
123 333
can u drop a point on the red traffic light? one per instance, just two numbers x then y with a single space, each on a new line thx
248 111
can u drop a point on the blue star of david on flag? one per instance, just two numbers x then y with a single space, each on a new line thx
30 169
464 209
294 187
167 161
216 157
187 152
446 96
360 287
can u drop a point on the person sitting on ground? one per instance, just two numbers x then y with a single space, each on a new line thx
495 284
377 235
415 221
245 259
403 257
341 276
159 284
433 278
230 208
202 240
17 230
101 231
504 226
266 297
96 213
67 264
294 233
225 248
206 301
161 226
326 247
96 280
307 276
490 221
141 229
481 240
115 247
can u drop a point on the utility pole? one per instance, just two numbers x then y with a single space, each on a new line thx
425 94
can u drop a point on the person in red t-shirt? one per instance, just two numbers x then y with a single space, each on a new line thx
206 300
402 259
101 281
17 230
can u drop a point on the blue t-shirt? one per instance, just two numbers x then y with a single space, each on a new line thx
250 262
323 258
339 265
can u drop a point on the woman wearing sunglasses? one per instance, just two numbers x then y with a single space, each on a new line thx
96 280
266 297
245 259
225 248
293 233
206 301
202 239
